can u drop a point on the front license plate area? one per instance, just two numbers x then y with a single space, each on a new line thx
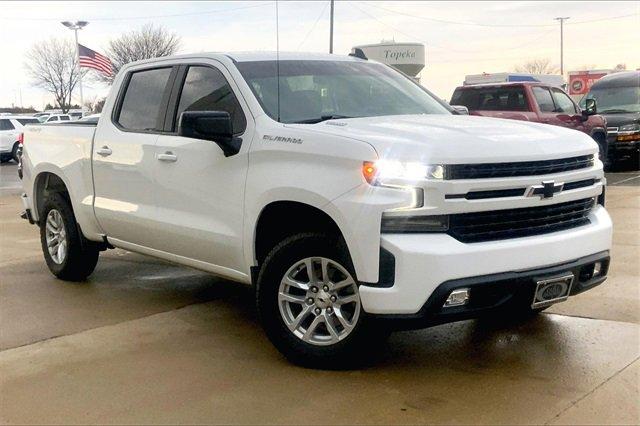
552 290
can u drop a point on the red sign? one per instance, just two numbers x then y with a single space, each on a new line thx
581 81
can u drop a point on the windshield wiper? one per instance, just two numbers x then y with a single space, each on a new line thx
322 118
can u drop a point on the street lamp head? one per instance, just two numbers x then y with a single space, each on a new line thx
78 25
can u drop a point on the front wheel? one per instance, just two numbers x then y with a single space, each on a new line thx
68 254
309 303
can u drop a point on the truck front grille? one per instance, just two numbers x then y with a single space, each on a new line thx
522 222
523 168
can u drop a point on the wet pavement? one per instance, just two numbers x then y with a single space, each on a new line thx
144 341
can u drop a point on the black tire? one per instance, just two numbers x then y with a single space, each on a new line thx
346 353
81 254
14 152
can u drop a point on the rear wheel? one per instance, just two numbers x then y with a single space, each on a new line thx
68 254
309 303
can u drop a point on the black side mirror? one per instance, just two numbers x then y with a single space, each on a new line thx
589 108
213 126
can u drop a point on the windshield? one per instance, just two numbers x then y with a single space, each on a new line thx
615 99
24 121
312 91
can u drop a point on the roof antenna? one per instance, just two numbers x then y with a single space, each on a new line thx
278 60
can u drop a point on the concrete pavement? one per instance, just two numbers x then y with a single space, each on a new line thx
144 341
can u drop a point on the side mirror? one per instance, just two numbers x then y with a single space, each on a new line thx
589 108
213 126
460 109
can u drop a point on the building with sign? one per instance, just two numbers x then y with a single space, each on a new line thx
581 81
406 57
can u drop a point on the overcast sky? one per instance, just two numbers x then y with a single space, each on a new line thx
460 37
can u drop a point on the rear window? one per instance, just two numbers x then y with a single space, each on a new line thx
25 121
142 101
491 99
6 125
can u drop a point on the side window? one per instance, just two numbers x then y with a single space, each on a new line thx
53 119
563 102
543 97
6 125
140 108
64 118
206 89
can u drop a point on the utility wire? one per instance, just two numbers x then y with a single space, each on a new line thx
130 18
520 45
478 24
314 25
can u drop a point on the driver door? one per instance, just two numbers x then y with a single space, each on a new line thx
200 191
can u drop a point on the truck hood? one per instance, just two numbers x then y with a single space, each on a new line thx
618 120
457 139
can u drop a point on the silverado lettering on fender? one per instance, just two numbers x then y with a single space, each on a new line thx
404 216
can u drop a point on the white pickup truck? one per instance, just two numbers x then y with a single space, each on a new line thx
351 198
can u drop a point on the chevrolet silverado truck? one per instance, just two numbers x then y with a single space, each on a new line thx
534 101
352 199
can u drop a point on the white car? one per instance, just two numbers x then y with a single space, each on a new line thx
54 118
351 198
11 127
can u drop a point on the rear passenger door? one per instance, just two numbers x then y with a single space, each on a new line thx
202 191
124 157
8 136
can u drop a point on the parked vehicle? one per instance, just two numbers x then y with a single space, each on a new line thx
93 118
537 102
350 197
618 97
53 118
11 128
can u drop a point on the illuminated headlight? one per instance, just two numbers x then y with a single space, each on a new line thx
414 224
382 172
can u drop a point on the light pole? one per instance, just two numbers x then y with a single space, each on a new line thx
75 26
331 30
562 19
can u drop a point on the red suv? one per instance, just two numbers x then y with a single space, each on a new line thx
532 101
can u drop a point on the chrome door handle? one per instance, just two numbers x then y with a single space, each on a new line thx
168 156
105 151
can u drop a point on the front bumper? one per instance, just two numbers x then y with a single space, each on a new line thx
423 262
499 292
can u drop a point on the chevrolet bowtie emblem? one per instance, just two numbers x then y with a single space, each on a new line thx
546 190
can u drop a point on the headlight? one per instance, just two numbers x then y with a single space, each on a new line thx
630 128
382 172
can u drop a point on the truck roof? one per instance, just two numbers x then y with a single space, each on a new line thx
619 79
506 84
255 56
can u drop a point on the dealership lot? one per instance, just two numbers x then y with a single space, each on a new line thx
148 342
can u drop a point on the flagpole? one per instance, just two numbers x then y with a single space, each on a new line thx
75 30
75 26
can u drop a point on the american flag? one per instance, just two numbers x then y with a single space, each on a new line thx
92 59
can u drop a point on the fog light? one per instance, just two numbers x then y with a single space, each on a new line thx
457 297
597 269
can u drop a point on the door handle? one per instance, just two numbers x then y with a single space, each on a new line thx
105 151
168 156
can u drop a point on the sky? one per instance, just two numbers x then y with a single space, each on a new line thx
460 37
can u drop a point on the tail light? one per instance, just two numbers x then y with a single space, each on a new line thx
21 138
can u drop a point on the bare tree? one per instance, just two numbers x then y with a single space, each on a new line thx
620 67
52 66
538 66
145 43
